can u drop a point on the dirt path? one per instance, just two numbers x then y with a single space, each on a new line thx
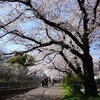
50 93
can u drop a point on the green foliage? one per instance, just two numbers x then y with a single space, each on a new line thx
80 97
67 86
10 71
22 59
71 80
16 59
66 89
70 96
98 80
16 68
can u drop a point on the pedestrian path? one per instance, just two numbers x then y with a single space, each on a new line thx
41 93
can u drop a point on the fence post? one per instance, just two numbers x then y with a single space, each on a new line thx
9 85
29 84
21 85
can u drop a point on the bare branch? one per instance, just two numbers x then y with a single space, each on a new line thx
85 19
3 26
16 32
52 57
64 71
95 9
49 35
68 62
81 5
45 56
79 28
4 35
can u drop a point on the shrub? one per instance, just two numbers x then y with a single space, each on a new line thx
74 82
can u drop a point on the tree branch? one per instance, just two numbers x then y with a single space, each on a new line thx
4 35
52 24
95 9
16 32
84 14
68 62
49 35
45 56
3 26
64 71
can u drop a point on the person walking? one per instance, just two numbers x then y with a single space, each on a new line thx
53 81
43 83
46 82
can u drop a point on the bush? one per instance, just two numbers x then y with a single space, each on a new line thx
69 87
74 82
70 96
80 97
66 89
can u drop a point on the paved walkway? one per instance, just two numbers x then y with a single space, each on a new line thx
50 93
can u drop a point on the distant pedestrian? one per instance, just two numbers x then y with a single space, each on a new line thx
43 83
78 86
53 81
46 82
49 80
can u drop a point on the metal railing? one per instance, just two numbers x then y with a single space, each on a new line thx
19 85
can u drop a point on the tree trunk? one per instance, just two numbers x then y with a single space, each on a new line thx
89 81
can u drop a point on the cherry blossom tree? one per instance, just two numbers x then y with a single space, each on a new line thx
56 27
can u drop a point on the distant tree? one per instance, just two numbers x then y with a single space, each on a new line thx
10 71
22 59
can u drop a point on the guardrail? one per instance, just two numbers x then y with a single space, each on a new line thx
9 88
18 85
35 82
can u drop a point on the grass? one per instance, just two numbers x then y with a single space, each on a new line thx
79 97
69 96
66 90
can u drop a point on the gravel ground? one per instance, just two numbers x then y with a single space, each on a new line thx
35 97
50 93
